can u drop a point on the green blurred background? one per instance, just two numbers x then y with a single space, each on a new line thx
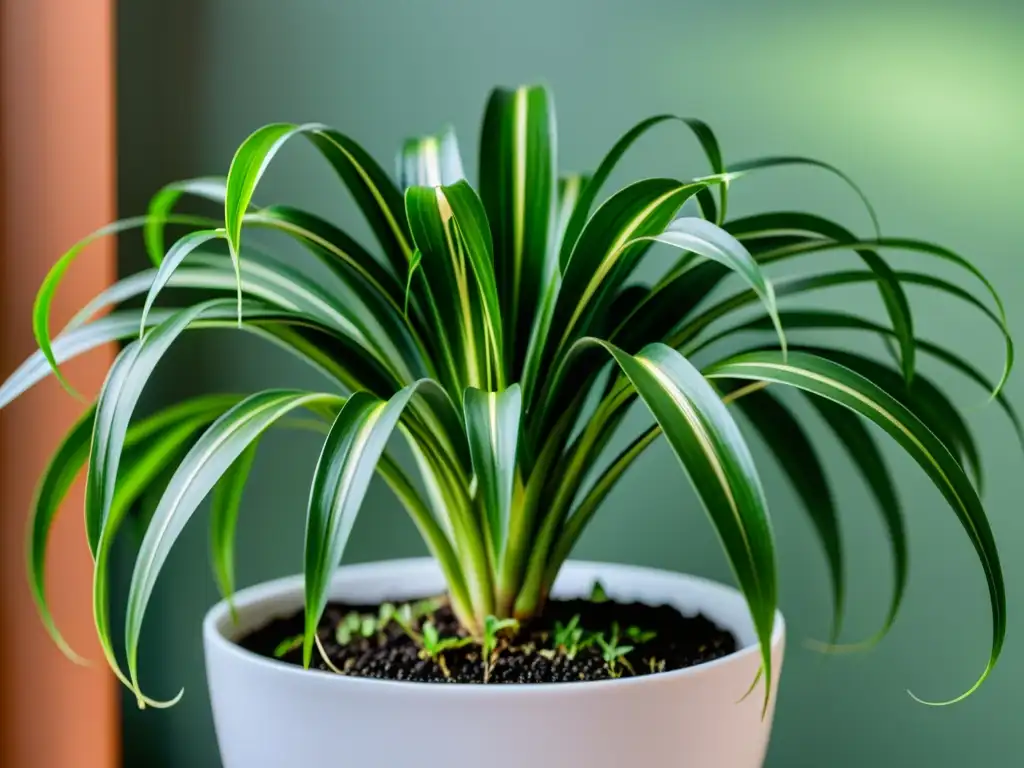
922 105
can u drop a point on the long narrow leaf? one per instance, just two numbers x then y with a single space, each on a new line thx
347 462
713 453
374 193
197 474
843 386
161 205
492 426
175 256
782 433
48 289
709 144
224 508
518 189
736 170
867 457
920 247
450 230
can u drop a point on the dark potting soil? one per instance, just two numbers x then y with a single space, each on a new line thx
658 639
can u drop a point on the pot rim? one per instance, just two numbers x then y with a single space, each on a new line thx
217 619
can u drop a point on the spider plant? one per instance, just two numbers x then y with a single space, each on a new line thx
500 330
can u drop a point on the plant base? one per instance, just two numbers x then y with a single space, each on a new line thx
271 713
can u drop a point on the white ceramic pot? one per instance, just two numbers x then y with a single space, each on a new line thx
269 714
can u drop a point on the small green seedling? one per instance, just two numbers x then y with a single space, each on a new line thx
407 621
287 645
434 645
656 665
571 638
350 625
597 593
640 636
493 627
426 607
385 614
368 626
613 653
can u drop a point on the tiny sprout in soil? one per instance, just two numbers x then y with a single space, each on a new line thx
493 627
613 653
287 645
434 645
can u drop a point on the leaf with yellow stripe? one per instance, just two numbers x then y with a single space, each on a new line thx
519 191
349 457
847 388
712 451
456 280
492 427
430 161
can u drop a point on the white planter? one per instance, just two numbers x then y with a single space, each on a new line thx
269 714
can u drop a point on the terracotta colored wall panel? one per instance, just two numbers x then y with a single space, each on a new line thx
56 184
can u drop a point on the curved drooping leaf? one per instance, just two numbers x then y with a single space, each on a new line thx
347 462
492 427
430 161
736 170
867 457
161 205
224 508
922 397
588 195
605 254
518 188
823 319
913 246
333 248
175 256
54 484
793 286
64 466
704 239
841 385
114 408
893 296
714 455
374 193
48 289
215 451
782 433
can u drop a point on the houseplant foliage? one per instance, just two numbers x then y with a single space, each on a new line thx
499 330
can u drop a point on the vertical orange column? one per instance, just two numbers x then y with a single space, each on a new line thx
57 183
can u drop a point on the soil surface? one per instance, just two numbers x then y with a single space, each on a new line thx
608 639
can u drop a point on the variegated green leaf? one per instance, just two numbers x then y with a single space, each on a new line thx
347 462
843 386
457 279
588 195
44 298
492 426
864 452
788 441
519 189
197 474
224 509
374 193
430 161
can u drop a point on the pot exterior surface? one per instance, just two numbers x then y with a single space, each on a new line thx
269 714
